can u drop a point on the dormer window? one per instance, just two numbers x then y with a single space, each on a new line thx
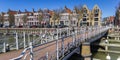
96 12
85 11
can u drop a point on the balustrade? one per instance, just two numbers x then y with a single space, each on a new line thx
57 48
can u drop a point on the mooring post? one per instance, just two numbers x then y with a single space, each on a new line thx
106 47
108 57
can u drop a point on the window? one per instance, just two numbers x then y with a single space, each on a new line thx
84 19
96 11
96 23
96 15
96 19
74 22
61 22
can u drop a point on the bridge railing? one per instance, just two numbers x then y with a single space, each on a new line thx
61 46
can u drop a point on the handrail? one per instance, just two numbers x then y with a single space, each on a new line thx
21 55
96 30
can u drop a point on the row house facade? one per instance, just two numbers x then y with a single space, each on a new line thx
91 17
109 20
6 18
68 17
85 21
46 17
97 15
27 18
54 20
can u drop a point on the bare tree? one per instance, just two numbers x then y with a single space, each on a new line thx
40 18
11 19
1 19
79 10
24 20
55 17
117 18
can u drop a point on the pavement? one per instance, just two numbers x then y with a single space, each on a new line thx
39 51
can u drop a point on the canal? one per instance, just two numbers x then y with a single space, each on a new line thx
100 55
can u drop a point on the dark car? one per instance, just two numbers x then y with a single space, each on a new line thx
49 26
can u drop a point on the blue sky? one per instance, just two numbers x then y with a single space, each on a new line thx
107 6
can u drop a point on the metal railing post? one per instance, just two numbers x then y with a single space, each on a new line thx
28 38
31 51
60 33
24 40
57 51
47 56
73 36
67 32
62 46
16 41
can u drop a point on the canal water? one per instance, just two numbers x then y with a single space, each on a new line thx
100 55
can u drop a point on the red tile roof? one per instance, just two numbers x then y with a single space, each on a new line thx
12 12
68 10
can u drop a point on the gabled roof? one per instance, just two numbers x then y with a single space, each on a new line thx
96 7
68 10
85 6
51 12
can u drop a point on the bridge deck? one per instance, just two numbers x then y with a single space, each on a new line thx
41 50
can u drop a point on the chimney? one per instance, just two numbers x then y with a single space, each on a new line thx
19 11
33 10
26 10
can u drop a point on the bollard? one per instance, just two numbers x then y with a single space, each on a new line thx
118 58
106 47
108 57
